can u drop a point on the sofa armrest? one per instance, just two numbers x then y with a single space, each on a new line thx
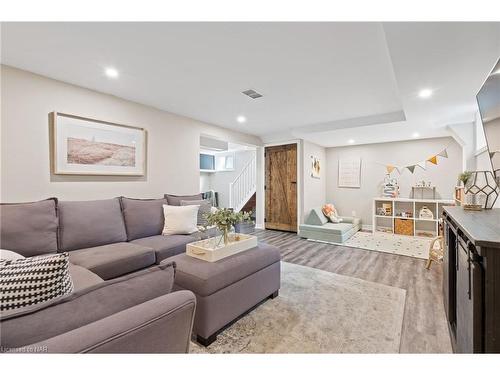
351 220
160 325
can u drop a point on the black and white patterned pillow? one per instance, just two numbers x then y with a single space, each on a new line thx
31 281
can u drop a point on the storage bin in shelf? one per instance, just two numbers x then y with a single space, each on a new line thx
403 226
432 206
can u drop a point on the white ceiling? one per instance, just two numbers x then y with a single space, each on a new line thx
324 82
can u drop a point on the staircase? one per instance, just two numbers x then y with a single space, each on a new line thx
244 186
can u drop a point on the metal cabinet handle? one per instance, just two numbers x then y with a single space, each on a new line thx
469 270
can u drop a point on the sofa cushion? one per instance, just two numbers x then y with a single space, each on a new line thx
175 200
82 277
90 223
166 246
87 305
29 228
113 260
336 228
143 217
316 217
205 278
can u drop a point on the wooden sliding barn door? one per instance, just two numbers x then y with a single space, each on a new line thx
281 187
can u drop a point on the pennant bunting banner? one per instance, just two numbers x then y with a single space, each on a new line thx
433 160
421 165
443 153
411 168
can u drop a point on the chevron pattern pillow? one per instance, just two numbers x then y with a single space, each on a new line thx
31 281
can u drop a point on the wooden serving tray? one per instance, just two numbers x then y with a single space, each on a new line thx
205 250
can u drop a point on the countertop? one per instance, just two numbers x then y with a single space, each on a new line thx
481 227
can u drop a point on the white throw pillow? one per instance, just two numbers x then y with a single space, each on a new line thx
180 219
9 255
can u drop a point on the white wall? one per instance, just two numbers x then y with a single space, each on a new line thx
205 182
465 135
219 181
347 200
27 99
314 190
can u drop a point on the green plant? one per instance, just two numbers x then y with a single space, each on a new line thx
225 218
464 177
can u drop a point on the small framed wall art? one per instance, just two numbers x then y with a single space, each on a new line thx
84 146
315 167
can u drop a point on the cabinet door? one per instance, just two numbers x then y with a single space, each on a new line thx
468 303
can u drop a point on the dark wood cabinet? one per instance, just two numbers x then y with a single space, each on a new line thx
471 279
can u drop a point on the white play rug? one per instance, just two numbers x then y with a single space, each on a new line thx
416 247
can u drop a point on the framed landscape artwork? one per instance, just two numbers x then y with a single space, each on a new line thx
83 146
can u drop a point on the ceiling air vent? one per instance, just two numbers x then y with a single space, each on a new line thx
252 93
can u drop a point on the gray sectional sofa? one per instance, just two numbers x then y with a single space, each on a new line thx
130 296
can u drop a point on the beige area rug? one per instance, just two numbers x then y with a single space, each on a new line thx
416 247
318 312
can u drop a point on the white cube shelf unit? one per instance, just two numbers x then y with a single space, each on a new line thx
408 209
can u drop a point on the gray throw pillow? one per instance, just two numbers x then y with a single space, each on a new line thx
205 207
175 200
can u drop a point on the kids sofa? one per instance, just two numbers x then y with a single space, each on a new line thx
317 227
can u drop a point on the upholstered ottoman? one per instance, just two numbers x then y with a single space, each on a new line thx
228 288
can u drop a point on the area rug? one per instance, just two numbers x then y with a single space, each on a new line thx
416 247
318 312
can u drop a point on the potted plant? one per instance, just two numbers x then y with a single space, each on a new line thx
464 177
247 225
225 218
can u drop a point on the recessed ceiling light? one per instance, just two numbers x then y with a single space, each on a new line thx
425 93
351 141
241 119
415 135
111 72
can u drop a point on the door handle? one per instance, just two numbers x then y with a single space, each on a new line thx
469 267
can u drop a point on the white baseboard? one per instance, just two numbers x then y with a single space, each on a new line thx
367 227
259 226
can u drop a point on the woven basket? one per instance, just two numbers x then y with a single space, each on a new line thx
403 226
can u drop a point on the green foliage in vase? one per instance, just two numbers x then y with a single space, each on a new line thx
225 218
464 177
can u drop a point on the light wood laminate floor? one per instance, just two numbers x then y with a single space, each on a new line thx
424 325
